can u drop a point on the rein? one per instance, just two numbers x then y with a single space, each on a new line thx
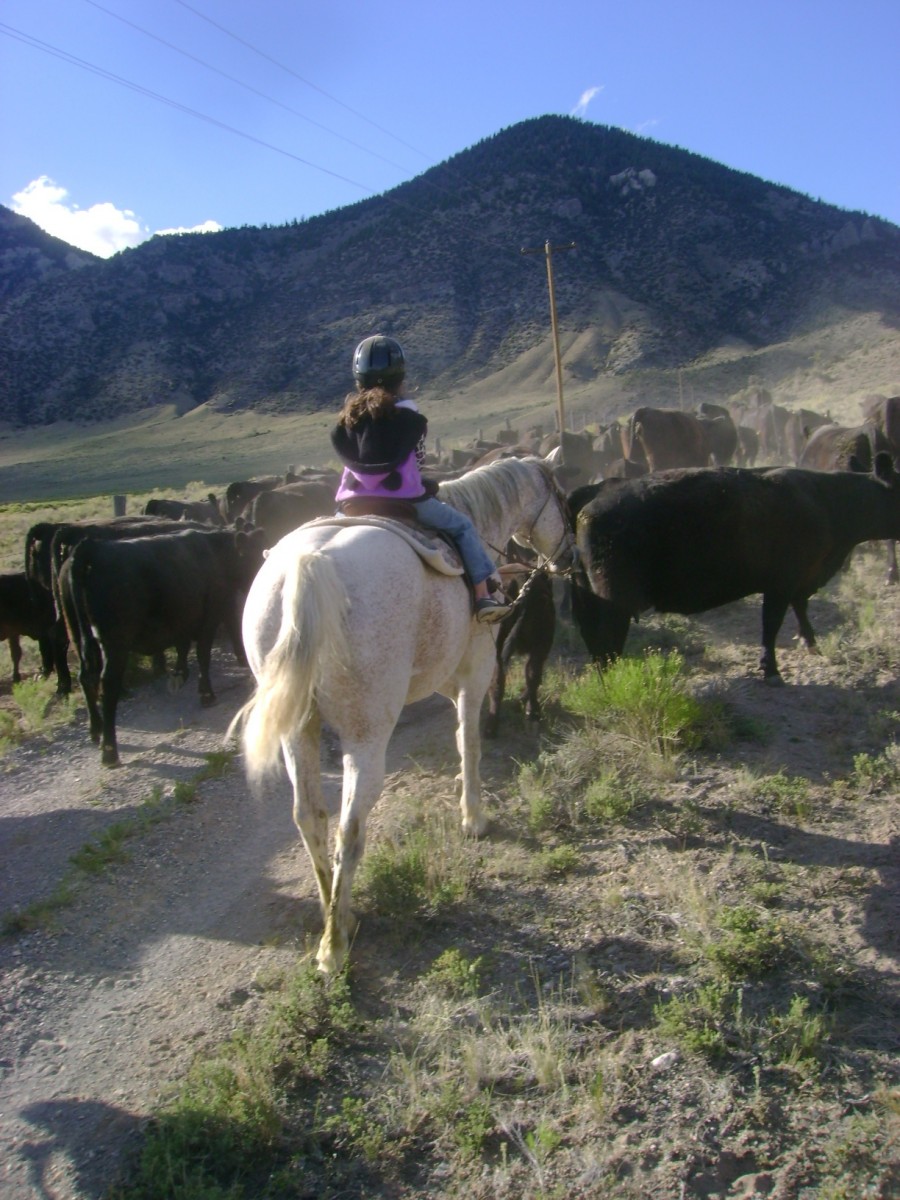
553 493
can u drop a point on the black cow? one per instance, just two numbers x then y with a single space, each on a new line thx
282 509
47 543
21 616
527 630
145 594
689 540
667 438
205 512
240 494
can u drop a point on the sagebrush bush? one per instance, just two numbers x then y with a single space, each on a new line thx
646 698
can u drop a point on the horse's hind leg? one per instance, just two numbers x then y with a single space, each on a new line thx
363 781
468 743
301 758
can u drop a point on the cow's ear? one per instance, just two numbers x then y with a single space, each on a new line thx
884 467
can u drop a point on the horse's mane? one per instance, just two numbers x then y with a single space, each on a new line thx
487 493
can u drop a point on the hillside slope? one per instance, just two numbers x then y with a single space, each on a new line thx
676 258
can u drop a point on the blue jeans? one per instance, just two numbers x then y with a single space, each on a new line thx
438 515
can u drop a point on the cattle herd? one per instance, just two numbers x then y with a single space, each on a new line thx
673 511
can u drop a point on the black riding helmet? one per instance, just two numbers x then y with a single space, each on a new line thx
378 362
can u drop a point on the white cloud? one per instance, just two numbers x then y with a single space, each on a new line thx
206 227
101 229
586 97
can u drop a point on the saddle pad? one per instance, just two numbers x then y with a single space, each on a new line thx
433 551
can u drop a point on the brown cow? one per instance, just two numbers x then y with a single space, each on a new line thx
721 432
800 426
885 415
842 448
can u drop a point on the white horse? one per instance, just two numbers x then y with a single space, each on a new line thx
344 626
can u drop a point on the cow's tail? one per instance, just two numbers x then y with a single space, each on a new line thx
71 587
309 656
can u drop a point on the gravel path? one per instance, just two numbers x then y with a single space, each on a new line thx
155 958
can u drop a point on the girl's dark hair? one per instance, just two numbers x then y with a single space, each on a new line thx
367 402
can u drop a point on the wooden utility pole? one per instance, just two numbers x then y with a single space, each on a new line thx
548 251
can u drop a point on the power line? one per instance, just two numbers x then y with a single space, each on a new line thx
55 51
140 89
104 73
290 71
249 87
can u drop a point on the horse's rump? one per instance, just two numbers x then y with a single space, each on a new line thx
310 646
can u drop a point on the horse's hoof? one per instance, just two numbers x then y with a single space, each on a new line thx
475 827
330 962
773 680
110 758
207 700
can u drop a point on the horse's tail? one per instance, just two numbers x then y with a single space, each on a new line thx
311 646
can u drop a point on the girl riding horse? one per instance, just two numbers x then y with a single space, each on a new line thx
380 439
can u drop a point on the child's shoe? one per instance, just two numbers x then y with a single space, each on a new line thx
491 608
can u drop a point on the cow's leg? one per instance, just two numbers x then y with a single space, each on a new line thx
61 658
233 630
15 653
495 700
806 630
301 758
204 654
363 781
773 613
90 665
534 675
45 645
602 624
892 576
180 672
111 678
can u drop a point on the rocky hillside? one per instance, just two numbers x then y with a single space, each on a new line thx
28 256
675 257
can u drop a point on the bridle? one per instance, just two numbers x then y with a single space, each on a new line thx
545 563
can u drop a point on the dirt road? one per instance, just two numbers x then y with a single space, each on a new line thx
153 959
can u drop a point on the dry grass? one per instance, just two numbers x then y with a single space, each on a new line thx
686 988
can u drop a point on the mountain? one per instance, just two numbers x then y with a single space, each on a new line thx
676 258
29 256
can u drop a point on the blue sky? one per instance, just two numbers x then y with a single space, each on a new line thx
248 112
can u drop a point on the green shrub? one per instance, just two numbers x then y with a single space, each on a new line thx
789 794
644 698
751 943
455 975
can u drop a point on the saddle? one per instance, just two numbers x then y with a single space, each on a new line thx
379 506
436 549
